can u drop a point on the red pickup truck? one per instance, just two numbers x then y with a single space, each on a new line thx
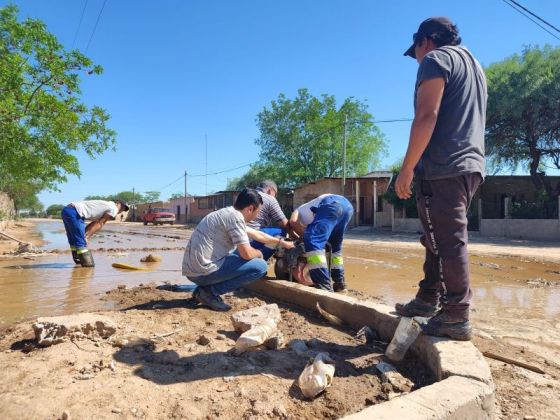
158 216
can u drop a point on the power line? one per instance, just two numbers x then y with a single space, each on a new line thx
79 24
95 26
538 17
221 172
530 18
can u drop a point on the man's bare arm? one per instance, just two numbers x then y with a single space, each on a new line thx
266 239
247 252
96 225
428 101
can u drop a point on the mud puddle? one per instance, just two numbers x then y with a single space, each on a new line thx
512 297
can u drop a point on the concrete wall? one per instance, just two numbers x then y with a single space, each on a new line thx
177 206
535 229
407 225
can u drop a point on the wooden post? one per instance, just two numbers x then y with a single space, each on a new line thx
357 220
374 204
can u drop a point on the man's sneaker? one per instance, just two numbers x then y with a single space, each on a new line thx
208 299
416 307
445 325
86 259
340 287
75 257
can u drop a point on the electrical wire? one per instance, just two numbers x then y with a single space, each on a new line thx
95 26
79 24
530 18
538 17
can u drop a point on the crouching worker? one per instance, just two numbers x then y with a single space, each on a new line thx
209 260
319 221
74 216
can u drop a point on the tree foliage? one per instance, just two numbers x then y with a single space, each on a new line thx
130 197
43 121
54 209
301 140
523 116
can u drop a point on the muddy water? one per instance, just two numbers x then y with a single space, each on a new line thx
503 303
54 285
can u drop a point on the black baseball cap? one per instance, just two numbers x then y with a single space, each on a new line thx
124 206
430 27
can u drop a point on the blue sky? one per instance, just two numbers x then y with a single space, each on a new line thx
177 71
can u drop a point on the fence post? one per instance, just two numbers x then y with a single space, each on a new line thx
506 208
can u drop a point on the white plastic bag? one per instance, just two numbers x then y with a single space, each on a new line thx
256 335
317 375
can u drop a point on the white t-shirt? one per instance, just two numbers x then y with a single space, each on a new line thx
95 209
305 215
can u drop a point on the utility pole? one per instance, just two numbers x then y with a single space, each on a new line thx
344 155
186 208
206 164
133 206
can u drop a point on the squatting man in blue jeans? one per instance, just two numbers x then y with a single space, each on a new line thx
321 220
74 216
210 260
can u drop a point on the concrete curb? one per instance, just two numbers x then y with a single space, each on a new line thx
464 387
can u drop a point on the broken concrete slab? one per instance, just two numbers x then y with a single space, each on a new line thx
249 318
54 330
452 398
390 374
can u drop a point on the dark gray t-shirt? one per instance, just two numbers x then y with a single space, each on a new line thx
457 143
270 213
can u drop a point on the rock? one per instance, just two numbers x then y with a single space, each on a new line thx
221 337
276 342
245 320
529 418
152 258
121 286
390 374
116 410
54 330
280 411
299 346
203 340
66 415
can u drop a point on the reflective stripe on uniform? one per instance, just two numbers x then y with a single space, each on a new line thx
82 251
337 262
316 259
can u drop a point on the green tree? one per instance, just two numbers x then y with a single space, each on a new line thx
129 197
54 209
43 121
523 124
302 139
151 196
176 195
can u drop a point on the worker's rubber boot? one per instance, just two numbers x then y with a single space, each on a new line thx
86 259
447 325
340 287
75 256
417 307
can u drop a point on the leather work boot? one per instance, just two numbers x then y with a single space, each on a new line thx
206 298
75 257
416 307
340 287
86 259
446 325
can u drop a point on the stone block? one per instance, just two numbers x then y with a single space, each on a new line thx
54 330
247 319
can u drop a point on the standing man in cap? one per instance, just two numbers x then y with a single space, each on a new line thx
270 214
446 154
74 216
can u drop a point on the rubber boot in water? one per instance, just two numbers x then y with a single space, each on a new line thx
75 256
86 259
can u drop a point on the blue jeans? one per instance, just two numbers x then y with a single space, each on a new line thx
266 251
75 228
331 218
234 273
